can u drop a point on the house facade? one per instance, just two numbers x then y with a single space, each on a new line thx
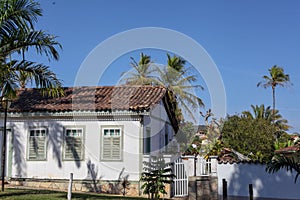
101 135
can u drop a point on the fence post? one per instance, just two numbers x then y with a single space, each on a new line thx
224 189
214 165
195 165
250 191
70 187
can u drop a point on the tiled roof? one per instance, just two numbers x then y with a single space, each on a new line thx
291 149
98 98
231 156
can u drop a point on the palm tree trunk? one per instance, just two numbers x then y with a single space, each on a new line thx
273 93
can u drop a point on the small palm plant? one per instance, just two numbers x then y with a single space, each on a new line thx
157 174
283 162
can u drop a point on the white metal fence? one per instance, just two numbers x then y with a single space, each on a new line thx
181 179
185 167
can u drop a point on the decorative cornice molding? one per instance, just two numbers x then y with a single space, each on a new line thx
78 115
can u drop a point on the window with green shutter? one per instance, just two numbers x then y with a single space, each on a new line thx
111 144
73 144
37 149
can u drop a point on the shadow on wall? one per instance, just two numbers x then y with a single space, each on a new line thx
58 141
19 157
55 140
120 186
278 185
92 175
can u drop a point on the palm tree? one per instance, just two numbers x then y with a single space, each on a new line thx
277 78
180 84
176 62
142 74
17 35
273 116
173 76
37 73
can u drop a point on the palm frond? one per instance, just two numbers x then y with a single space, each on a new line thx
19 40
18 14
282 162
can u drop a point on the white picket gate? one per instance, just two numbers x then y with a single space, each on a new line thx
181 179
203 168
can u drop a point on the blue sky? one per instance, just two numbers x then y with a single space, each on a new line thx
244 39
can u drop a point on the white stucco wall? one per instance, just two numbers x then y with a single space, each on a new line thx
160 125
56 168
279 185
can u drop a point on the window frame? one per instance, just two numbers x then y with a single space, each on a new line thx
81 157
121 136
45 143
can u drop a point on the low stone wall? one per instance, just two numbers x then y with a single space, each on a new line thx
108 187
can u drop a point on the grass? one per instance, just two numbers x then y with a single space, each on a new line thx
33 194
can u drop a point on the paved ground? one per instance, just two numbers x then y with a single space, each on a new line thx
247 198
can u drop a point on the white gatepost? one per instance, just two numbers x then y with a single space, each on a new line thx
70 187
214 165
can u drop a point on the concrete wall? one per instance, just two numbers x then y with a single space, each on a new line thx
278 185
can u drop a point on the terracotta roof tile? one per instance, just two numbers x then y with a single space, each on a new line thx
291 149
98 98
228 155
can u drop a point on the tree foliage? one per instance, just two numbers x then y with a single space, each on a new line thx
142 72
251 137
180 83
157 174
276 77
272 116
17 36
174 76
283 162
185 135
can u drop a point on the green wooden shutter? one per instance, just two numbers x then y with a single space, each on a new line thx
112 144
73 148
116 148
37 147
106 147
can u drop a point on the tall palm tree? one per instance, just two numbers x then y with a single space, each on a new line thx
175 77
17 35
277 78
143 72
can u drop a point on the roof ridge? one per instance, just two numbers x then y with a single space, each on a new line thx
100 86
86 98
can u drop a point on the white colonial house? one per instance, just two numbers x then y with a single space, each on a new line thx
100 134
